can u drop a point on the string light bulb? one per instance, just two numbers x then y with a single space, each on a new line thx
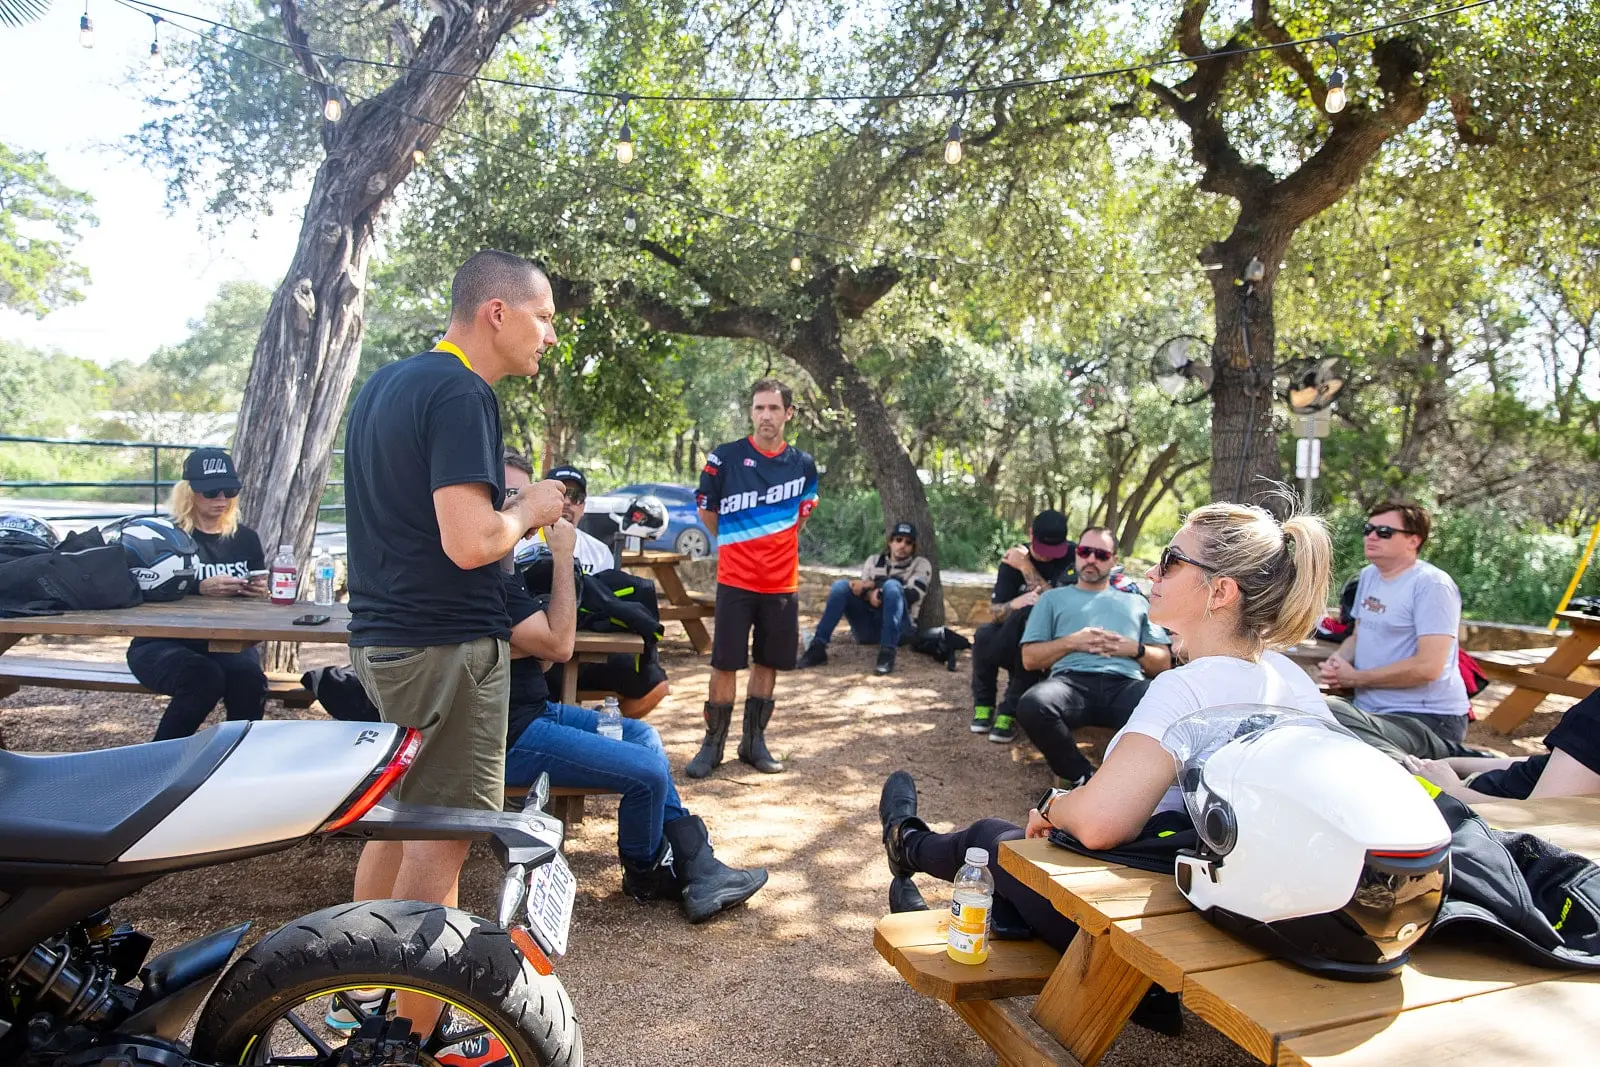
933 286
795 262
332 106
86 29
155 38
1311 277
1477 237
630 220
952 144
1337 98
1147 295
625 144
419 155
1388 268
1046 296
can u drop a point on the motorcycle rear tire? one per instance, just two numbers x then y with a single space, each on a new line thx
459 957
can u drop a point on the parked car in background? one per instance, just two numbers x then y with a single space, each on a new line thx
686 534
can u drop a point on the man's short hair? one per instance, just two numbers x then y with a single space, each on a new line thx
772 385
490 275
1087 530
517 461
1415 517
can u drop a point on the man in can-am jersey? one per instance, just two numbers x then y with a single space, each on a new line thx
755 494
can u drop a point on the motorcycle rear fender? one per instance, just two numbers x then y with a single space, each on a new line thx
177 981
528 837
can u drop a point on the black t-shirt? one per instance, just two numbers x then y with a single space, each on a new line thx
1009 583
234 555
529 693
419 425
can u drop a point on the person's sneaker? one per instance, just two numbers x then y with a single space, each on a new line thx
1004 730
815 655
885 660
1074 783
341 1018
479 1050
982 720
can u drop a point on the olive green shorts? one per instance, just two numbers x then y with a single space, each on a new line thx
457 696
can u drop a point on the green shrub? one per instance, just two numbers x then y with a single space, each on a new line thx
848 526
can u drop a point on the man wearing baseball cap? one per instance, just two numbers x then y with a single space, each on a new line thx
591 553
882 605
1047 561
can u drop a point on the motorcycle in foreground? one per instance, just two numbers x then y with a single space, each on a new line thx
79 832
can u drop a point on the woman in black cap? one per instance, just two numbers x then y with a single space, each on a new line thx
205 504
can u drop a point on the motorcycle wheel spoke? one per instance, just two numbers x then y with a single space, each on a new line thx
322 1047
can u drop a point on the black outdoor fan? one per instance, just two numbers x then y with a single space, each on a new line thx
1178 371
1315 387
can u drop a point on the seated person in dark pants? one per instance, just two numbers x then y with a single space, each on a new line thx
665 851
206 505
1099 645
882 605
1026 571
1570 769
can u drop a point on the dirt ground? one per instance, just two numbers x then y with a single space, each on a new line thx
792 978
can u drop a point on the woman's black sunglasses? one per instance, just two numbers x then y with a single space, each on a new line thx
1383 532
1173 554
212 494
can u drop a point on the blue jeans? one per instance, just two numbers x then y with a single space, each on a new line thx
869 625
563 743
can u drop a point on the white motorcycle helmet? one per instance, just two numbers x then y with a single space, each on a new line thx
161 557
1314 846
645 518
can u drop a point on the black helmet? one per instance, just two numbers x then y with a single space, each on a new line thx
20 528
161 556
645 517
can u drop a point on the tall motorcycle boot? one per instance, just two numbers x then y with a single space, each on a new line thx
753 743
654 880
897 810
718 718
708 884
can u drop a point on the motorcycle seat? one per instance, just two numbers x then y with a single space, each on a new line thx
91 807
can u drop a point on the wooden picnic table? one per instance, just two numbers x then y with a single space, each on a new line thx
1554 675
232 624
1450 1000
682 605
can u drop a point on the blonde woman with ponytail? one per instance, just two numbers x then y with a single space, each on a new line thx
1233 588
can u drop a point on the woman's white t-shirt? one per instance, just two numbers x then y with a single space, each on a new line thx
1215 681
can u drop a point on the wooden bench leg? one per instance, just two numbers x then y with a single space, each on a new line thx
568 809
1088 999
1017 1040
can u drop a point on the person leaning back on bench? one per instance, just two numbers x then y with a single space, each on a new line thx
1233 588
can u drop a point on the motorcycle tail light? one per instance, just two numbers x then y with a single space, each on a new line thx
376 784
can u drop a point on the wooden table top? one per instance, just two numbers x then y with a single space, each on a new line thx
1283 1015
1578 620
649 557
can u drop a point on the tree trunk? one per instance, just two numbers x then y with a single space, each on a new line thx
1244 436
818 350
306 355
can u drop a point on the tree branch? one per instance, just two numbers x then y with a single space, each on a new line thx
1291 57
682 266
300 44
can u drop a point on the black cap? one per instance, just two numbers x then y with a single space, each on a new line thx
903 529
209 469
567 473
1050 535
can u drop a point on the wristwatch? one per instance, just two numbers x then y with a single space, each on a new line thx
1139 653
1048 799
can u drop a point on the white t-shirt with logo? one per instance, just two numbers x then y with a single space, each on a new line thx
1213 682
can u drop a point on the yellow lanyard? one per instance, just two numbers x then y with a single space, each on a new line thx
454 350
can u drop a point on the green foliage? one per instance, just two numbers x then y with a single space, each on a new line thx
40 220
47 394
848 525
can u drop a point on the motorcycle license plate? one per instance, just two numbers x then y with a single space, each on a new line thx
551 891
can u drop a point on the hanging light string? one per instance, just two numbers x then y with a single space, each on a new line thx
623 97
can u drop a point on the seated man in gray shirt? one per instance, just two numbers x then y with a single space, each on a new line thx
1402 659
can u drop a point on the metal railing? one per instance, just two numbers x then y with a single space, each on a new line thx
155 483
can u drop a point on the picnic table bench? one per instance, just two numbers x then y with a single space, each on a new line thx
1450 1001
681 605
1563 670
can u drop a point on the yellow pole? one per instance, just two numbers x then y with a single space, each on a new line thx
1577 576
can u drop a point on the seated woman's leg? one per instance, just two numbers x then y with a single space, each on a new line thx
244 691
191 678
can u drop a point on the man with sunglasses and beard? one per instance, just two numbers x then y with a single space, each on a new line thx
1401 659
1101 649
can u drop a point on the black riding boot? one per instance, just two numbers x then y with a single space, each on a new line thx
897 810
718 718
655 880
885 660
708 884
753 745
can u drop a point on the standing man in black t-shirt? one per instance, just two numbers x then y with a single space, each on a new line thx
424 488
1026 571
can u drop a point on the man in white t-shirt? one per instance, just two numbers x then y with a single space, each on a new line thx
591 553
1401 660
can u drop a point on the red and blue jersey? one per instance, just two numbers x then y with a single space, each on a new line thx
759 500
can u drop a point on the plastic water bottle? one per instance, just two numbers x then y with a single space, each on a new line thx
324 572
610 720
968 938
285 576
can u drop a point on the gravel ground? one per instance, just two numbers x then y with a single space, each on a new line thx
790 979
